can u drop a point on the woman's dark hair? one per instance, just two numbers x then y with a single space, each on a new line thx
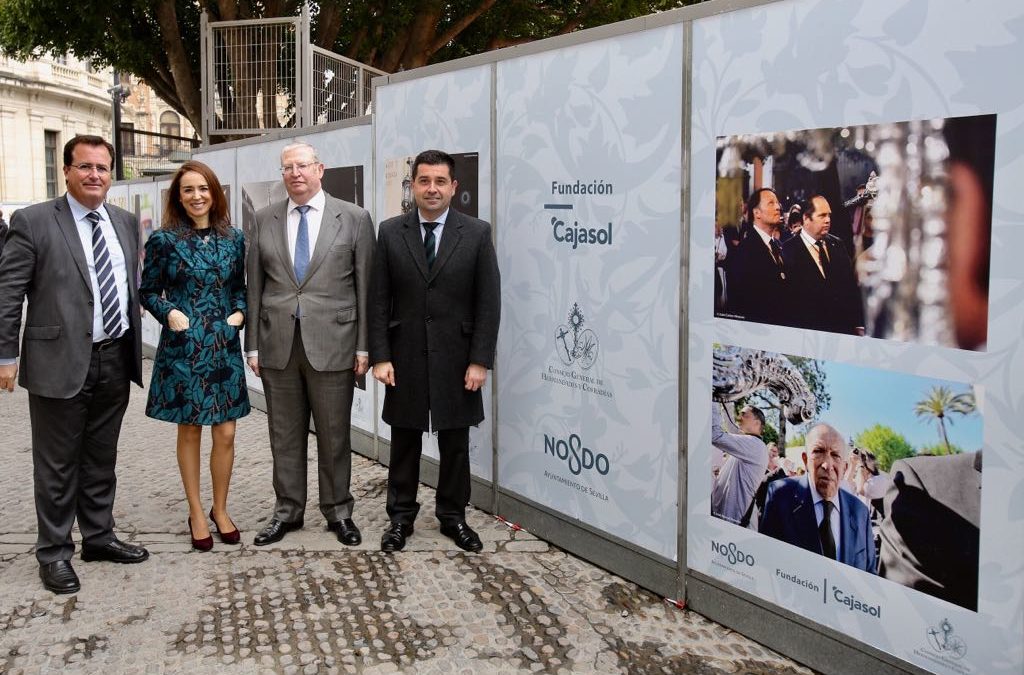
176 218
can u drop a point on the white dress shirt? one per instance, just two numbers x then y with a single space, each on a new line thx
117 262
812 247
437 228
314 217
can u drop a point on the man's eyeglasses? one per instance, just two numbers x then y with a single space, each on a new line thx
101 169
298 168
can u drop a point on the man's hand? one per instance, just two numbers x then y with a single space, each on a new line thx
362 365
384 373
236 319
254 365
177 321
7 377
475 377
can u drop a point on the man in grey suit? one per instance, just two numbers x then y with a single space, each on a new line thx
308 274
76 259
433 329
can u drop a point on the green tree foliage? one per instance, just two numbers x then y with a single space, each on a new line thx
940 449
940 404
887 445
158 40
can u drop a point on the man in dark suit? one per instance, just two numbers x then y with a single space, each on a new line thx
756 282
308 275
930 535
3 232
823 291
433 329
76 258
813 513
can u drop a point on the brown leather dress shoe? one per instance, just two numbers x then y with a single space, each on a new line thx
463 536
59 577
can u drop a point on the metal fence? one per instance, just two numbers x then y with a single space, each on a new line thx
263 74
144 153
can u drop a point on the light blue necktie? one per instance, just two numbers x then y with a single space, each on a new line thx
302 244
105 278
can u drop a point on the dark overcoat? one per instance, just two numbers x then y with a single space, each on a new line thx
832 304
431 324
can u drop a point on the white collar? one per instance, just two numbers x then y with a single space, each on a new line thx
316 202
440 220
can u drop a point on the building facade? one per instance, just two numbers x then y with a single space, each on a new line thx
45 102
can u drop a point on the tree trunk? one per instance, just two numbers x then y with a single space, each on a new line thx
184 83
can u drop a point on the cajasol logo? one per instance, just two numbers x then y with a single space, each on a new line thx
568 231
732 553
576 457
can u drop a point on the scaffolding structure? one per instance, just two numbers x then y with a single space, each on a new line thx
260 75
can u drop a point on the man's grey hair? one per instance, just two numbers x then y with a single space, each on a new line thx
830 435
295 145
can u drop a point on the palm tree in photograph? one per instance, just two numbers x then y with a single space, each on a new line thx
940 404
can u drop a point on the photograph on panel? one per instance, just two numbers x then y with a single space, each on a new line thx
398 197
873 469
881 230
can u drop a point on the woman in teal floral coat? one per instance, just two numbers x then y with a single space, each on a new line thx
193 282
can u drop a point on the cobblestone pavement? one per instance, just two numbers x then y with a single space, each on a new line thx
309 604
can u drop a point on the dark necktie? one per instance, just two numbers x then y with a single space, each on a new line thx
828 542
109 304
823 257
776 251
302 244
430 244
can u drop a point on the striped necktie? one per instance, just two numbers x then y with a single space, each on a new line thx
430 244
105 277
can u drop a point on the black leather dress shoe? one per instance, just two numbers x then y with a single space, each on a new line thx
394 537
115 551
348 533
463 536
275 531
59 577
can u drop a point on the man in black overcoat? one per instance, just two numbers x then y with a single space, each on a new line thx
823 291
756 284
434 311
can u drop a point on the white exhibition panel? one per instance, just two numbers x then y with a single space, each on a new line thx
588 185
817 64
146 197
449 112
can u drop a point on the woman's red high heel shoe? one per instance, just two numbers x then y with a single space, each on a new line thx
227 537
204 544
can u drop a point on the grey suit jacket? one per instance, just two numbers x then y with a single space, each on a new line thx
332 297
44 259
432 323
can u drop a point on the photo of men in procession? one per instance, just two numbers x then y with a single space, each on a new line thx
881 230
876 470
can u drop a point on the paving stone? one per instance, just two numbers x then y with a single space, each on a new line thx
310 605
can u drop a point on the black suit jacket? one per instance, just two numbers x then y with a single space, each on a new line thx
44 259
756 287
832 305
431 324
930 536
